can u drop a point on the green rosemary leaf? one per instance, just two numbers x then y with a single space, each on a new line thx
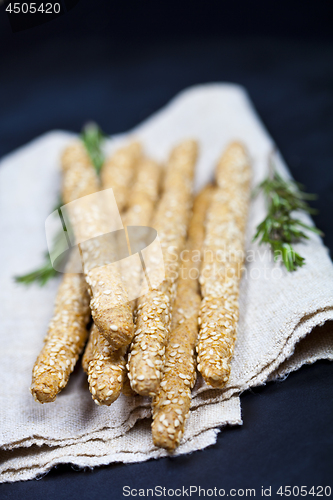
310 228
280 229
40 276
93 137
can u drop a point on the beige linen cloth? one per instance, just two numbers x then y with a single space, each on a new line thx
284 317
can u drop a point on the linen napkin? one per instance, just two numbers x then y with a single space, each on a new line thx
285 318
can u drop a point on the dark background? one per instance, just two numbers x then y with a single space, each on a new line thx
117 62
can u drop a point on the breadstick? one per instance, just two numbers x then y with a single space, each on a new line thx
106 369
65 339
109 304
223 257
146 359
67 331
143 199
171 405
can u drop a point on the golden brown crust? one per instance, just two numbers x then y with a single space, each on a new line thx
65 339
143 199
223 258
109 310
110 307
172 402
171 405
106 369
67 331
146 360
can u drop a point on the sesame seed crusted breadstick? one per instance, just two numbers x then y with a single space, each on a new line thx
67 331
76 165
106 369
65 339
143 199
109 304
109 307
171 405
153 318
223 257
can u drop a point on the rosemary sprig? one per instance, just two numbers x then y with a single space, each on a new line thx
40 276
92 137
281 228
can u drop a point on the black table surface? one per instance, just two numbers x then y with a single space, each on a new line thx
61 81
